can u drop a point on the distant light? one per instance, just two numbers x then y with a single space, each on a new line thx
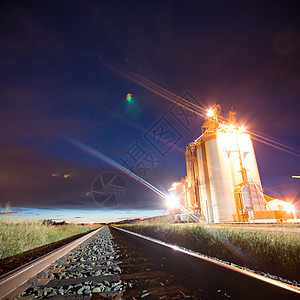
66 175
210 113
296 176
172 201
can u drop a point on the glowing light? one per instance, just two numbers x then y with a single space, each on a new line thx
222 127
226 127
296 176
172 201
277 204
242 129
66 176
210 113
230 127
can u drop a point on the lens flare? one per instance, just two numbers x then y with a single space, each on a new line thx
129 97
108 160
201 111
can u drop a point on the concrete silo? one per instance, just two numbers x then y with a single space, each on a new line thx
220 179
204 183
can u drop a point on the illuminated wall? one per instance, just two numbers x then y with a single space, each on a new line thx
221 157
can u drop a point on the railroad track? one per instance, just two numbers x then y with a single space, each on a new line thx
113 263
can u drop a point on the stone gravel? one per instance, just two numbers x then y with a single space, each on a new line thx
96 259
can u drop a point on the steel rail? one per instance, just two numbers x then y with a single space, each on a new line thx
238 283
15 278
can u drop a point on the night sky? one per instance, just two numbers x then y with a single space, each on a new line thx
60 83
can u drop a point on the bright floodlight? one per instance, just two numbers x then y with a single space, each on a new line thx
172 201
210 113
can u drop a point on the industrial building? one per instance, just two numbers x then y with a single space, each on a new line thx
223 182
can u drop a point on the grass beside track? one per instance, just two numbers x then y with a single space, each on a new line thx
10 263
276 253
18 237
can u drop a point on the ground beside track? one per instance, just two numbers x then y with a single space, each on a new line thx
267 249
10 263
292 230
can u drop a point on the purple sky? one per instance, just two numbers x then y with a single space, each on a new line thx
55 85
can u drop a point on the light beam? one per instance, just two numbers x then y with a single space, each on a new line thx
108 160
201 111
